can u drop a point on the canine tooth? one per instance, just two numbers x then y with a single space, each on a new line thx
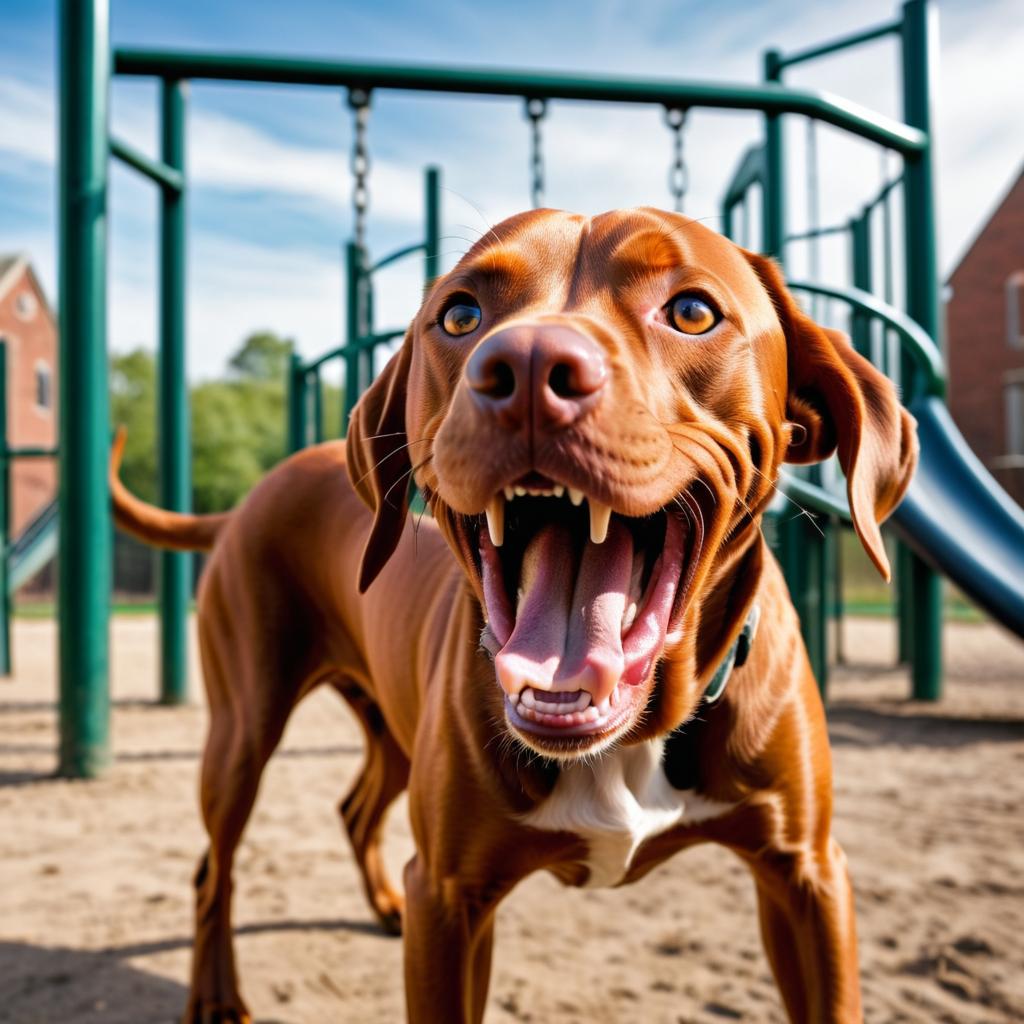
520 491
590 715
599 516
559 490
604 707
576 497
630 617
526 697
582 702
496 520
510 493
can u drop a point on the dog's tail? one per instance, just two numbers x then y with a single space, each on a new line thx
156 526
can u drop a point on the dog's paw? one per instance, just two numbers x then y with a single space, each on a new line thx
389 907
215 1011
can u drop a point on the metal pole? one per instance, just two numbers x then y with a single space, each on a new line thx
432 240
173 425
85 521
773 225
296 404
860 241
801 547
5 521
316 384
920 253
353 261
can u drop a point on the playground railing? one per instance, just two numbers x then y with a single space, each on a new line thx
8 455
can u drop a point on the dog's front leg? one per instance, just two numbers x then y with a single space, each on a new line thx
807 918
448 936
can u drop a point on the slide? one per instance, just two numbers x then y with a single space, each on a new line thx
32 548
961 522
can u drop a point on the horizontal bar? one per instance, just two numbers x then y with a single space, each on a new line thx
166 177
769 98
920 346
843 43
371 342
815 497
397 255
884 192
832 229
32 453
751 171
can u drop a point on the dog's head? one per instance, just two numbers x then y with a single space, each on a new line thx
596 411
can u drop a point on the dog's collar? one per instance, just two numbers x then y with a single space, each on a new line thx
734 658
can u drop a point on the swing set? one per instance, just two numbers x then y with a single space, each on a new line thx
86 146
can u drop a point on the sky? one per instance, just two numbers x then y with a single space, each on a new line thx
269 196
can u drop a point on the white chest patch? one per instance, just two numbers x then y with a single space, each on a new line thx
615 803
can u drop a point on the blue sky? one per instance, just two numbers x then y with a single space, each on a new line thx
268 206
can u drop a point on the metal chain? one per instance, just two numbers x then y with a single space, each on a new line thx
536 109
678 172
359 101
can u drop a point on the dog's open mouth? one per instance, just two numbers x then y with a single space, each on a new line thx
579 600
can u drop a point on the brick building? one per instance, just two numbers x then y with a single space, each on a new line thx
985 341
29 330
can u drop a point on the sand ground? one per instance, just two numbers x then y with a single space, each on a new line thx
95 901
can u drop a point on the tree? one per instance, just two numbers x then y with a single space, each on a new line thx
263 356
133 404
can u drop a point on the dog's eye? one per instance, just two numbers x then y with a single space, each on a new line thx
691 314
462 317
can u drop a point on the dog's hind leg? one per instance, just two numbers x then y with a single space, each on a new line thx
251 697
385 773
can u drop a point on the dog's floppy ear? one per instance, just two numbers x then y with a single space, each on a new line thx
844 404
377 457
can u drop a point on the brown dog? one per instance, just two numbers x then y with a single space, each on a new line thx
596 411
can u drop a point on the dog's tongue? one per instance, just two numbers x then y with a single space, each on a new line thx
568 626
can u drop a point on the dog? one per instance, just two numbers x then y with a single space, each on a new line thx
595 411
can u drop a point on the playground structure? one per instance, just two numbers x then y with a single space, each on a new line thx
941 519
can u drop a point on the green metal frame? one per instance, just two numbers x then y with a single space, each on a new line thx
361 341
84 569
797 541
86 65
9 581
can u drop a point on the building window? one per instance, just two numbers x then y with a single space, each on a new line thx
1014 398
44 386
25 305
1015 310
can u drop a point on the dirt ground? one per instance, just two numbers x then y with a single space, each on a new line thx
95 901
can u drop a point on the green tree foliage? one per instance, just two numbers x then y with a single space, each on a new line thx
238 422
263 356
133 404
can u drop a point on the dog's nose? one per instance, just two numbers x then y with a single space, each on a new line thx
547 375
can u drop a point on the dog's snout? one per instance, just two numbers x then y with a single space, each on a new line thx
546 375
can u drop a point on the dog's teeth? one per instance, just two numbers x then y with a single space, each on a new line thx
510 493
496 520
520 491
576 497
604 707
559 490
526 697
630 616
599 517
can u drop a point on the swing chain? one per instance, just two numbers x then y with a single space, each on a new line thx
536 109
678 173
359 101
